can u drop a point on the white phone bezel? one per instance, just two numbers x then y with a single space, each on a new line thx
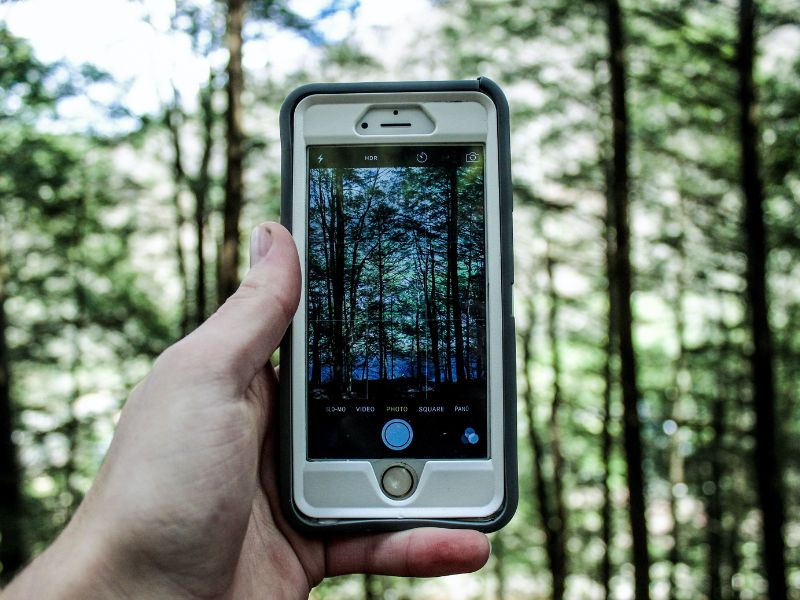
350 489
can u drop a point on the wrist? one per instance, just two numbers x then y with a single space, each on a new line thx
86 562
71 567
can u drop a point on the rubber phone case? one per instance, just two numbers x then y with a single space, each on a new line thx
506 511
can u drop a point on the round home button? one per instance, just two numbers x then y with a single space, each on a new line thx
397 434
397 481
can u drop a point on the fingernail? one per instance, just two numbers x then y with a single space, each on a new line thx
260 243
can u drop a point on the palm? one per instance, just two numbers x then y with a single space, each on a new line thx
273 556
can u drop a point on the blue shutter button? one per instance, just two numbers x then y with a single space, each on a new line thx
397 434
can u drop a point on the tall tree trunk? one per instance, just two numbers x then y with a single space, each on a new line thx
448 327
329 259
172 119
622 270
480 348
540 484
369 587
433 320
391 339
337 284
365 368
381 321
72 427
418 349
316 350
356 268
498 551
200 188
608 392
452 266
467 324
229 251
768 470
560 521
13 553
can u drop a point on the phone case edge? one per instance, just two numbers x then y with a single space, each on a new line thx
510 500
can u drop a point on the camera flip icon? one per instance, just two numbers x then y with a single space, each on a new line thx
472 157
470 437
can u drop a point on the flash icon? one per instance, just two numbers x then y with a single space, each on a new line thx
319 158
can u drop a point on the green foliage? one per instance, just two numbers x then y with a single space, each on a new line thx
76 308
88 260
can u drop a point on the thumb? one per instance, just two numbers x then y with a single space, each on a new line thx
239 338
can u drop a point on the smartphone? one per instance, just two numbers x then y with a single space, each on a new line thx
398 395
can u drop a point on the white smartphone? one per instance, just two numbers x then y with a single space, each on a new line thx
397 378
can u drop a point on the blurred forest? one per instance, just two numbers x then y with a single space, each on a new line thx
657 236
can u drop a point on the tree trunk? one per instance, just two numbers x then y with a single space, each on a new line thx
172 117
541 488
200 188
229 251
433 320
13 553
418 348
560 521
768 470
498 551
337 285
72 426
391 339
468 296
381 322
356 269
329 244
452 266
448 327
316 351
608 391
369 587
622 270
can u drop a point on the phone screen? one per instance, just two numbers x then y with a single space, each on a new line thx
396 302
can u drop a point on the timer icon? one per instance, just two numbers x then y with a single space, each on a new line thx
422 157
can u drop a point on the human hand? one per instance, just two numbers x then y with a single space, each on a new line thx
186 502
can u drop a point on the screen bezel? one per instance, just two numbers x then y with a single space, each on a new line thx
470 488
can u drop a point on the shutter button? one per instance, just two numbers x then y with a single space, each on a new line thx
397 434
397 481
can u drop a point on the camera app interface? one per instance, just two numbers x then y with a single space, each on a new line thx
396 302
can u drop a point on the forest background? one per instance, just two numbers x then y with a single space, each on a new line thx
657 215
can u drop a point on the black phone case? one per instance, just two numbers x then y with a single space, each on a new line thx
507 509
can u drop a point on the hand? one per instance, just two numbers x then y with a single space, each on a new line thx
186 502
